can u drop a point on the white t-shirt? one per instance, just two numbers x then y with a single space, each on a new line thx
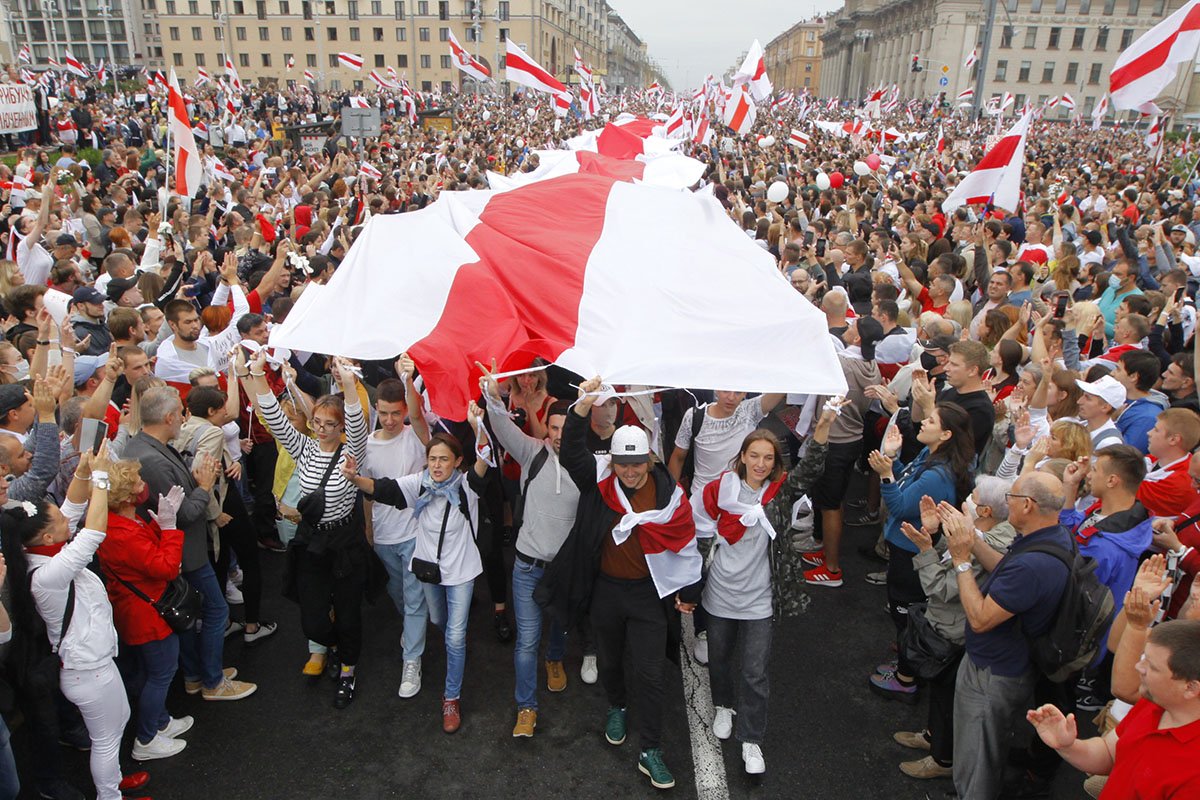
401 455
718 441
460 560
35 262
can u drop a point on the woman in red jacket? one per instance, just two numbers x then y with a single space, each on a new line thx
146 555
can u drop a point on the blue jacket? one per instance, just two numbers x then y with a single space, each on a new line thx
903 497
1136 421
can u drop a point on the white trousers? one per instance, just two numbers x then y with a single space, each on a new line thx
100 697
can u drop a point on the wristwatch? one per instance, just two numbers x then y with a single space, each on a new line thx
100 480
963 567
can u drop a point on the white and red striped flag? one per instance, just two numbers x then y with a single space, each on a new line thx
673 127
231 73
358 101
75 67
188 167
1099 112
740 112
972 57
291 63
582 69
799 139
1052 102
562 103
965 96
350 61
466 62
488 289
53 62
220 171
202 77
941 139
703 134
392 76
520 68
1068 102
308 76
1149 65
996 179
367 170
200 130
24 55
753 73
101 72
380 81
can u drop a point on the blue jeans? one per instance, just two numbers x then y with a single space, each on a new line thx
157 663
449 607
528 614
10 785
407 594
203 652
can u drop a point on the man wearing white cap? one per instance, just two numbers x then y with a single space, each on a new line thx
1099 400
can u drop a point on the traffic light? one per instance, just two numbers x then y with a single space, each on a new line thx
916 64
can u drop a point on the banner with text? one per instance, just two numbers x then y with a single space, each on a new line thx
17 110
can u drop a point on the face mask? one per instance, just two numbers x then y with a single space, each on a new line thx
143 495
20 369
1114 282
972 508
928 361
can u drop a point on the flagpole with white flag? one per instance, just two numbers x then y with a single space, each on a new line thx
996 179
1144 69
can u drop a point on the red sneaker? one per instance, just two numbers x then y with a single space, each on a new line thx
133 781
451 715
813 558
822 576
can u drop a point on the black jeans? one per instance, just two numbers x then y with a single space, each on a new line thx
239 535
753 683
941 714
323 583
259 464
903 587
628 615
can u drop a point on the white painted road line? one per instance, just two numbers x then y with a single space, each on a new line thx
697 700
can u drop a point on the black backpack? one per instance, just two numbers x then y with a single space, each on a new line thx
688 471
518 505
1084 614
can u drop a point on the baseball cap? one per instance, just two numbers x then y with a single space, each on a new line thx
630 445
870 332
1179 229
87 294
1107 388
86 367
941 343
119 286
65 239
12 397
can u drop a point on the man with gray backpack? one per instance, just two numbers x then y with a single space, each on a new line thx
543 515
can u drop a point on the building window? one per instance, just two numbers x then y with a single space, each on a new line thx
1126 38
1001 70
426 86
379 59
1019 101
178 58
503 6
285 8
310 59
330 8
243 59
444 62
309 36
1031 37
376 8
333 61
808 82
377 34
218 33
443 34
443 10
422 8
240 33
1159 7
285 33
471 34
1110 6
808 67
446 86
1011 5
401 34
1094 73
264 34
239 7
1134 5
1072 72
425 62
173 32
354 34
266 59
1085 6
193 7
1077 39
306 9
1102 38
260 9
170 6
1006 37
1060 6
402 61
1048 72
399 9
423 34
1023 72
808 51
1036 6
352 9
331 34
504 34
1055 34
199 59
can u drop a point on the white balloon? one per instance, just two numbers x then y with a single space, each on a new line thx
486 115
777 192
531 113
767 141
520 143
861 168
822 181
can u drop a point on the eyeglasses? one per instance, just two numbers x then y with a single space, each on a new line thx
1010 495
318 425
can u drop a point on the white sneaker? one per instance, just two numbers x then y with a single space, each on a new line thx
700 648
752 757
159 747
410 680
176 727
233 595
588 673
723 722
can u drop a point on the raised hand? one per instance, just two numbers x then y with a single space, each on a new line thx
930 519
1152 577
168 507
487 381
918 536
1056 730
892 441
880 463
1141 608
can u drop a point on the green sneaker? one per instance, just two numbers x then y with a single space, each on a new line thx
651 764
614 727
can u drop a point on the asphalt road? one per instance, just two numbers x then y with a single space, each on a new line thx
828 735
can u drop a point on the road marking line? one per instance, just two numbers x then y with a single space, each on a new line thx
697 699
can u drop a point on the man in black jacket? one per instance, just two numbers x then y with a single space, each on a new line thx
631 562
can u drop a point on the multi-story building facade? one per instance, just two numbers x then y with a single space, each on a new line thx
119 31
410 36
1039 48
793 58
627 60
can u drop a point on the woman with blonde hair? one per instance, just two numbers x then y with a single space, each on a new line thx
10 276
960 311
1066 274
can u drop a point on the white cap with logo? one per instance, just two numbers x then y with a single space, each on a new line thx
630 445
1107 388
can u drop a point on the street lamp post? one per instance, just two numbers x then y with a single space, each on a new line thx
105 11
50 7
980 75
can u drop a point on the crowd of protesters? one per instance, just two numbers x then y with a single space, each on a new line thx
1021 387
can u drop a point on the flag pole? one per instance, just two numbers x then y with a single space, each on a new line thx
167 155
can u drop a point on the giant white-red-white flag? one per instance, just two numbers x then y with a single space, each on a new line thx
1148 65
465 62
996 179
520 68
554 269
753 73
187 156
740 111
669 170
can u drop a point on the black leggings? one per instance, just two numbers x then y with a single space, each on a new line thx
240 535
338 582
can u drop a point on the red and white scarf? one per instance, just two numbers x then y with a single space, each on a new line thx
723 513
